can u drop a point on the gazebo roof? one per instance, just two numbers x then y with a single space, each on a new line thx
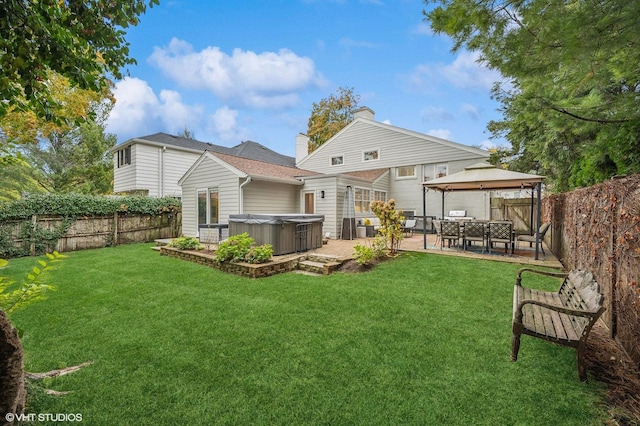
483 176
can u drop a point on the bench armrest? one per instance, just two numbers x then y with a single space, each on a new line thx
558 308
537 271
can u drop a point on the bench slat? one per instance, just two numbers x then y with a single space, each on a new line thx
578 292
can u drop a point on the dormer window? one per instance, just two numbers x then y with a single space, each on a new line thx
371 155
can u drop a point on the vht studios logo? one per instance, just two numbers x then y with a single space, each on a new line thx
43 417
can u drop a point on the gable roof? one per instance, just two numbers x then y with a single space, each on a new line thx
245 149
256 169
389 127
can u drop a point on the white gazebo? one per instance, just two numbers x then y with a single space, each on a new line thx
484 177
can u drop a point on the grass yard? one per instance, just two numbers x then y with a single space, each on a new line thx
423 339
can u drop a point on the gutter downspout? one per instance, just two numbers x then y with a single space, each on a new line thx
241 194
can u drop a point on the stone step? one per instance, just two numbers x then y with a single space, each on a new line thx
321 258
323 268
311 266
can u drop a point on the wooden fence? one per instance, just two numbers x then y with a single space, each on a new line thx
598 229
57 233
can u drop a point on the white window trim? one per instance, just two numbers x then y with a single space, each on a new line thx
367 208
371 150
412 177
435 170
207 190
335 156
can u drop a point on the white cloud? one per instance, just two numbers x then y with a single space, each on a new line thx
139 111
244 78
465 72
224 124
441 133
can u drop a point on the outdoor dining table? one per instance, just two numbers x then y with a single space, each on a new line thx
504 234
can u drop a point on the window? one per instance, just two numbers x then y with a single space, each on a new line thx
124 156
380 196
362 200
370 155
441 170
406 172
337 160
208 205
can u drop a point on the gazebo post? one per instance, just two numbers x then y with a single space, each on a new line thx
539 193
424 217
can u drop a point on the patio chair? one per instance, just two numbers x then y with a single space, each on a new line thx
409 226
450 231
532 238
437 227
501 232
473 231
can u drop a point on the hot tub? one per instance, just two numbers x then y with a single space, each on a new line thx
287 233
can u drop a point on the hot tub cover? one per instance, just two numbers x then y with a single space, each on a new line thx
275 219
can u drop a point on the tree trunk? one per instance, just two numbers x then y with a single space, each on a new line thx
12 390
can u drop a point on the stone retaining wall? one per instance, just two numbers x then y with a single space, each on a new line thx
278 266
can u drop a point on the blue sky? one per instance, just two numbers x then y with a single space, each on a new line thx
230 71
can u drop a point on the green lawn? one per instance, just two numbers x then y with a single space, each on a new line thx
423 339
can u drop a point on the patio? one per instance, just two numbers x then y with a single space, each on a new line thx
523 254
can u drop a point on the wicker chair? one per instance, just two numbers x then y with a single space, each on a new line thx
473 231
501 232
450 231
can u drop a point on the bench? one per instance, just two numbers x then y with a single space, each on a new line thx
564 317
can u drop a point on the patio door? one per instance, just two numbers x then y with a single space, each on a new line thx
208 205
309 202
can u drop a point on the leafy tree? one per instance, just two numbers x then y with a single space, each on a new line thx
330 115
82 41
570 106
74 161
63 156
16 178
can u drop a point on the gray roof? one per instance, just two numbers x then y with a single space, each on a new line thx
247 149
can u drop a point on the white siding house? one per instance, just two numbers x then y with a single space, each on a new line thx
152 165
410 157
368 159
238 185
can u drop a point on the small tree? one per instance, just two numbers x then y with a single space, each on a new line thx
390 223
331 115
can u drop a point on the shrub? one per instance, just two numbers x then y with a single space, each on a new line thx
259 254
379 245
235 248
186 243
363 254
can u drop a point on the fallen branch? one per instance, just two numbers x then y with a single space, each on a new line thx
56 373
56 393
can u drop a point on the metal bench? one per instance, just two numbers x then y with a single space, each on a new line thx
564 317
